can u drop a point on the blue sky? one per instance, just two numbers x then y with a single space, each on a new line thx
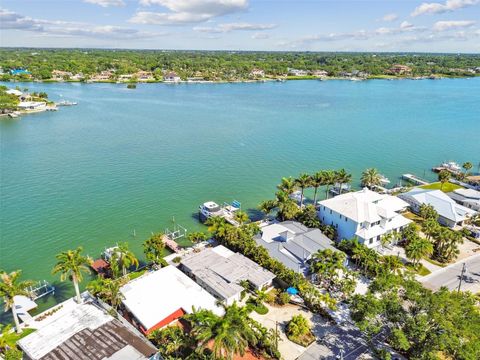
315 25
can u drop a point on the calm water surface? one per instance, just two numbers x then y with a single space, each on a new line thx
125 160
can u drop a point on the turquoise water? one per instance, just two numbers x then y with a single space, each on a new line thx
125 160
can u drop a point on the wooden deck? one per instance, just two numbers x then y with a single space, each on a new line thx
172 245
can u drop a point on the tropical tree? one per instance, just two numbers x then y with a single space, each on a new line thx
467 166
171 341
231 334
287 208
107 290
197 237
303 182
341 178
430 227
267 206
11 286
153 248
287 185
7 339
371 177
444 176
126 258
329 177
261 296
298 326
427 211
327 264
241 217
418 248
217 225
70 264
317 180
387 238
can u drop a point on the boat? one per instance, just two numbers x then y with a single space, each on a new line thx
355 79
66 103
208 210
384 179
13 115
452 166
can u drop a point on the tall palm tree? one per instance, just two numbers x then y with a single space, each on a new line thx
287 185
371 177
303 182
444 176
418 248
241 217
11 286
342 177
197 237
267 206
317 180
217 225
108 290
329 180
126 257
71 264
467 166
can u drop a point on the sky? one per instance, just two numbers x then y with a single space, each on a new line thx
277 25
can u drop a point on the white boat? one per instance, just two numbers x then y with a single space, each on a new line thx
452 166
13 115
66 103
384 179
209 209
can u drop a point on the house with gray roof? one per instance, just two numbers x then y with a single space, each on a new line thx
449 212
292 243
220 271
467 197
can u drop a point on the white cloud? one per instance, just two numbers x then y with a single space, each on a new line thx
106 3
14 21
438 8
260 36
453 24
406 25
223 28
390 17
187 11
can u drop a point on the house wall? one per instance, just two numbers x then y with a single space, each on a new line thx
172 317
345 229
446 222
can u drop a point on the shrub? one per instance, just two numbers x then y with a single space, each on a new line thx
177 259
283 298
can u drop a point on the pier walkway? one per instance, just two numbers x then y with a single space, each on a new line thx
415 179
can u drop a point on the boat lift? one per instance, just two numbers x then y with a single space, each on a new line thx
40 289
177 232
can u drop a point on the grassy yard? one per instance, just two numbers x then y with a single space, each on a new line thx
419 269
447 187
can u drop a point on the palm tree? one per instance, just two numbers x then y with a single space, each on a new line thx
8 340
11 286
467 166
287 208
317 180
386 239
71 264
197 237
342 177
443 177
371 177
287 185
261 297
108 290
241 217
418 248
329 180
217 225
126 257
267 206
303 182
231 334
153 248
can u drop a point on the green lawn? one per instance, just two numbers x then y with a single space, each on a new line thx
447 187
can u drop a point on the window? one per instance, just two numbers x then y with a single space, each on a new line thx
340 217
330 211
346 219
370 241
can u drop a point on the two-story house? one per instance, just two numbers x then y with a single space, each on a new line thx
364 214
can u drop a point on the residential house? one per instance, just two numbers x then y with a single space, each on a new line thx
220 271
160 297
449 212
144 76
103 76
72 331
257 73
14 92
467 197
172 77
78 77
297 72
31 105
60 75
292 243
400 69
365 215
320 73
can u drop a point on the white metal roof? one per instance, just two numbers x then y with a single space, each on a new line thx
156 295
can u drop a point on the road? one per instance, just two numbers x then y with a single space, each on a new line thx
450 276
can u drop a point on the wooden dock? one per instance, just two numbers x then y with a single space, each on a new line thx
414 179
171 244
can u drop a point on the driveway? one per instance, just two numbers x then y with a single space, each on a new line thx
450 276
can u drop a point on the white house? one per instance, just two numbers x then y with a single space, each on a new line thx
467 197
32 105
171 77
364 214
14 92
449 212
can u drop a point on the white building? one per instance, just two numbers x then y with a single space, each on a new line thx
365 215
158 298
14 92
449 212
220 271
171 77
32 105
467 197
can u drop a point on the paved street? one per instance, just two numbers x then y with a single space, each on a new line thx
450 276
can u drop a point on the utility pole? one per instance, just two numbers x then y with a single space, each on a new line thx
462 273
276 335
